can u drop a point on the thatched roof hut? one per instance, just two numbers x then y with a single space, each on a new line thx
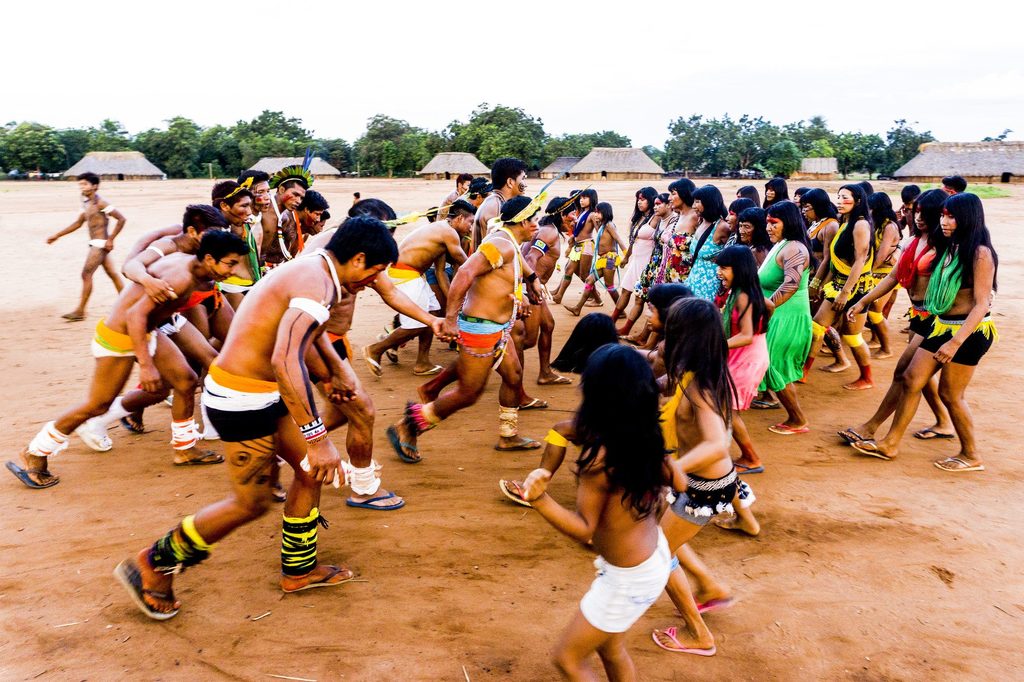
561 164
817 168
975 161
317 166
116 166
613 163
448 165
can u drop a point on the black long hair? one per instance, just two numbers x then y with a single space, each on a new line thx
793 226
713 206
590 194
662 296
929 204
590 333
641 217
781 191
860 207
819 200
749 192
880 206
695 342
619 414
755 216
745 280
970 234
739 205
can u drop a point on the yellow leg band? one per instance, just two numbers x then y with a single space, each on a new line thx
556 439
853 340
188 526
817 331
875 317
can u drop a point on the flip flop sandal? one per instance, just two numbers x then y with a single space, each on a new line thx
369 504
436 369
372 364
932 434
535 404
850 436
513 491
869 448
325 581
525 444
132 424
680 649
23 475
958 465
743 469
765 404
199 458
391 354
712 605
400 447
557 382
784 430
127 573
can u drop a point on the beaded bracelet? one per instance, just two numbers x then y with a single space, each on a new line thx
314 431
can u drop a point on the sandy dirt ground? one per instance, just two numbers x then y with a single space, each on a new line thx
865 570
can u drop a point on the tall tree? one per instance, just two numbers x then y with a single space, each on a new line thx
492 133
175 150
903 143
34 146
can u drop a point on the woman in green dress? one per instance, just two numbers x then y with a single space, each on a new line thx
783 278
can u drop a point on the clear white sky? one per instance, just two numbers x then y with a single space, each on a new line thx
956 69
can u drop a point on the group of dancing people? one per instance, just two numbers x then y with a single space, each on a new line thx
251 298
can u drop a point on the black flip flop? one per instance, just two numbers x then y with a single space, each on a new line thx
127 573
23 476
935 435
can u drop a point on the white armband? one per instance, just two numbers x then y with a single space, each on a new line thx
317 311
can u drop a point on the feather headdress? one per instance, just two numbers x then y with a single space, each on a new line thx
300 173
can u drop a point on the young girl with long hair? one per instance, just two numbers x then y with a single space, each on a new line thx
621 473
695 421
641 245
775 190
745 318
851 254
663 219
913 272
886 239
959 299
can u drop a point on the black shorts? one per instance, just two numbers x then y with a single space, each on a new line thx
341 347
972 350
705 498
235 427
920 325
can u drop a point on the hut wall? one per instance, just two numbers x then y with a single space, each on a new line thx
617 176
976 179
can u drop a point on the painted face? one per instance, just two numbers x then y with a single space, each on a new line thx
365 277
223 268
86 188
261 195
808 212
463 224
725 276
746 232
948 223
845 201
311 218
660 209
291 197
521 183
774 226
239 212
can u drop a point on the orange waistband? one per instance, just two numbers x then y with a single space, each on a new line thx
244 384
404 266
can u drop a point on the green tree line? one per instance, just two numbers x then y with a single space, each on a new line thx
396 148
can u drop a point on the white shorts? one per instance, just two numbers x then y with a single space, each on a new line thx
619 596
99 351
422 295
173 326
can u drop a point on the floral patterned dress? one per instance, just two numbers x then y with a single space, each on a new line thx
703 279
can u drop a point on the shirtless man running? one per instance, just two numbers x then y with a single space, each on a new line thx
483 303
97 212
426 247
128 335
365 474
509 180
261 402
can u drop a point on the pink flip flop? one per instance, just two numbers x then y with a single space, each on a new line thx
712 605
671 634
784 430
